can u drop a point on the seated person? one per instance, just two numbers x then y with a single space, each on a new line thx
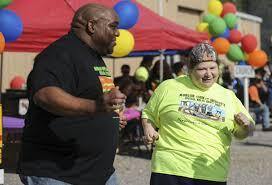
257 106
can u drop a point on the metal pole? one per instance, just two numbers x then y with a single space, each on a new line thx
1 74
246 100
161 65
160 2
113 68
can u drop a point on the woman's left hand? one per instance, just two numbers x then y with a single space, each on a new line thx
243 121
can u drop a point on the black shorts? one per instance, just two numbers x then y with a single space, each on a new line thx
165 179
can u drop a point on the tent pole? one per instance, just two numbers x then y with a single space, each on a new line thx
161 64
160 2
1 74
113 68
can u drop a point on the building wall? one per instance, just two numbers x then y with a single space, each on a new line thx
184 12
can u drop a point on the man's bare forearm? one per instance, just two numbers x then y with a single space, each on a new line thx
59 102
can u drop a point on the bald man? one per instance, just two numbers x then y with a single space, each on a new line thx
71 128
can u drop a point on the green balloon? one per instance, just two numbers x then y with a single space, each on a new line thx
235 53
217 26
141 74
231 20
208 18
4 3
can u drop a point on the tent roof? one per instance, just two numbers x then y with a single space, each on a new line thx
45 21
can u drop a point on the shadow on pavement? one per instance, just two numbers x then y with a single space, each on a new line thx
257 144
133 149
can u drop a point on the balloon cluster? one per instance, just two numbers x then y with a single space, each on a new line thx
128 14
11 26
221 25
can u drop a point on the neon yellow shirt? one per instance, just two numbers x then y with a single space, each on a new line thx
195 129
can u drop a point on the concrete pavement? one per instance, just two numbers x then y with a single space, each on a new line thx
251 164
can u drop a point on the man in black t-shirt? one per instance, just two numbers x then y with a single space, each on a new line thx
71 129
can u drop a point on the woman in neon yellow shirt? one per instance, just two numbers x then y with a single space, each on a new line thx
196 119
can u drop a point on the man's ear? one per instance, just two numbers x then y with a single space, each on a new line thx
91 25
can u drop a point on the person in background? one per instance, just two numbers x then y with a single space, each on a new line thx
71 127
191 120
147 62
257 106
142 79
125 70
178 69
154 79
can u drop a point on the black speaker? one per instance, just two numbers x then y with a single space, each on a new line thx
14 103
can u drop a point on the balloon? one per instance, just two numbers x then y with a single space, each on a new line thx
4 3
212 39
128 14
141 74
217 26
246 56
215 7
225 34
202 27
235 53
221 45
249 43
10 25
235 36
17 82
257 58
242 63
231 20
208 18
2 42
124 44
228 8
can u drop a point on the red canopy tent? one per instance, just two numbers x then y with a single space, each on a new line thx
45 21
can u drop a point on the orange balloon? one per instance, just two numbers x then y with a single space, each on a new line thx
221 45
2 42
257 58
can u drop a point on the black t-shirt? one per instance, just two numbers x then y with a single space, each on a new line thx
78 150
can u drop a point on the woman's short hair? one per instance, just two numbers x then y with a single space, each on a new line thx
198 53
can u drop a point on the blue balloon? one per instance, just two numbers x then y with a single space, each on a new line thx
128 14
242 63
226 34
10 25
213 38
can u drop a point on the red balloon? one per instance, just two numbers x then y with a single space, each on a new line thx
257 58
249 43
235 36
17 82
228 8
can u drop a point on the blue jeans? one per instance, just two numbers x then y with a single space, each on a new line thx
264 111
34 180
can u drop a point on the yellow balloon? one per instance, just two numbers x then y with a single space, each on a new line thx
215 7
202 27
124 44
